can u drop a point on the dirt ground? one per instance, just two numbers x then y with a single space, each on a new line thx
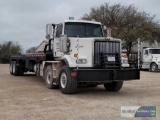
27 98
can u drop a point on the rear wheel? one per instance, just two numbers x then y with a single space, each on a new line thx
67 83
15 69
114 86
11 68
49 80
154 67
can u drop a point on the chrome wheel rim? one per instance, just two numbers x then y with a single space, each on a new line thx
14 67
10 68
49 77
63 80
153 68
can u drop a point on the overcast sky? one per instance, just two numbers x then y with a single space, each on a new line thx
24 20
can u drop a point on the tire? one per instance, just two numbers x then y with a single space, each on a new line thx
114 86
50 82
67 83
153 67
11 67
15 69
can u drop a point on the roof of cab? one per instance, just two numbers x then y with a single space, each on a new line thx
82 21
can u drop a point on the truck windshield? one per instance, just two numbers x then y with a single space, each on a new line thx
83 30
154 51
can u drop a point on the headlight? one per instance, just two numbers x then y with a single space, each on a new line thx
81 61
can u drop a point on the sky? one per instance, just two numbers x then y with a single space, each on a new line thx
24 21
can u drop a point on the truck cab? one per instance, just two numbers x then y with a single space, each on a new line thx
77 53
81 36
76 38
151 59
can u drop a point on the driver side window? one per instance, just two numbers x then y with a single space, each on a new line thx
146 52
59 30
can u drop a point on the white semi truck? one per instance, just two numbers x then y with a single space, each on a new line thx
149 56
77 53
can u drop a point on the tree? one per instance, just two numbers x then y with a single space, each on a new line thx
30 50
8 48
127 23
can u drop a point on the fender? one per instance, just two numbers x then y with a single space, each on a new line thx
153 62
69 61
64 60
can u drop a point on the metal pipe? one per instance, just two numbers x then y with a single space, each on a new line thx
139 52
108 32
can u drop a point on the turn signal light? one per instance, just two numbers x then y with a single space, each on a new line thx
125 56
75 55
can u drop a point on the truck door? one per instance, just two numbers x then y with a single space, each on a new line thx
146 58
59 30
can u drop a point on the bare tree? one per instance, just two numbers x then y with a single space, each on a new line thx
126 23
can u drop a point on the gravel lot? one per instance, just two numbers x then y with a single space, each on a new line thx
27 98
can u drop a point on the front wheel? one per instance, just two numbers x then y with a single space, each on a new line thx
114 86
154 67
67 83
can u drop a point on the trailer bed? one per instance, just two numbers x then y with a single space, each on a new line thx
29 56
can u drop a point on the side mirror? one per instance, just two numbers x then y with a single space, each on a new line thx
64 46
145 52
49 31
48 37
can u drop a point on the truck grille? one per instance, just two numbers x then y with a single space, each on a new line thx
105 49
